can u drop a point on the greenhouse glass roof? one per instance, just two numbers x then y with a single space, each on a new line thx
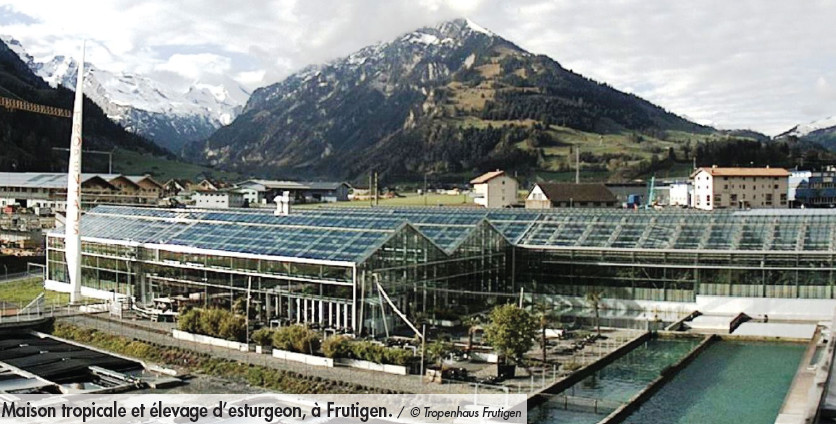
352 234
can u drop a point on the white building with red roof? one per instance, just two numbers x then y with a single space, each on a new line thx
740 188
495 189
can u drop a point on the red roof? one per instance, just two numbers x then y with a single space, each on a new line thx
744 172
487 177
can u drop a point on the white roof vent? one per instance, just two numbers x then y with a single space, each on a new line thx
283 204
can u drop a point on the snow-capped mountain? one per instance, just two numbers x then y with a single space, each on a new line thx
821 132
149 108
802 130
436 99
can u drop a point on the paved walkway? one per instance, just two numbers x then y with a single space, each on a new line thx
409 384
160 333
798 400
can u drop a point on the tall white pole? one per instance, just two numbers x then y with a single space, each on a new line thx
72 237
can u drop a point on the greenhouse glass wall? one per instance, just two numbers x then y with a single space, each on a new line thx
363 270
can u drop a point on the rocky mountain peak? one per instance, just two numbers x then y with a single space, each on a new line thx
447 98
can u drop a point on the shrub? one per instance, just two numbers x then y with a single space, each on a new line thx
263 337
210 323
372 352
396 356
296 338
233 327
336 347
190 321
213 322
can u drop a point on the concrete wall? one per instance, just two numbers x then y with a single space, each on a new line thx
214 341
319 361
372 366
755 307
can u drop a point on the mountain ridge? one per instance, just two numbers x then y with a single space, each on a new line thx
169 117
28 138
387 105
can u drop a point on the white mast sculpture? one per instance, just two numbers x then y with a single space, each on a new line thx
72 237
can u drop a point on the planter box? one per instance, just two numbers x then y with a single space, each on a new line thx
490 358
505 371
433 376
319 361
372 366
264 349
214 341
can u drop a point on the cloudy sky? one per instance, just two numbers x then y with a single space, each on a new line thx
758 64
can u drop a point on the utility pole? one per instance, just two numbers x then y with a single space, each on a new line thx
577 164
371 200
376 189
247 309
425 189
423 349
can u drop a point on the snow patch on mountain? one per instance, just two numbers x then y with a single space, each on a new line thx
169 116
802 130
476 27
16 47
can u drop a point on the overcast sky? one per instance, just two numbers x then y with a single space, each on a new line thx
759 64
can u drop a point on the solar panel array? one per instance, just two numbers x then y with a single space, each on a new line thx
759 230
703 231
351 234
254 233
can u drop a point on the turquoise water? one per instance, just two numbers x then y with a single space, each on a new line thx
730 382
615 384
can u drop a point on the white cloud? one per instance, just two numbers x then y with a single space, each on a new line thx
764 65
193 66
251 78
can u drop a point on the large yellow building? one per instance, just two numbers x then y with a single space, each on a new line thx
741 188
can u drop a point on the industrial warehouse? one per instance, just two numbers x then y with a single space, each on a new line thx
366 271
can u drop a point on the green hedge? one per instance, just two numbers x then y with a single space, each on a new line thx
297 338
263 337
214 323
342 347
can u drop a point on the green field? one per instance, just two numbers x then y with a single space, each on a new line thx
24 291
133 163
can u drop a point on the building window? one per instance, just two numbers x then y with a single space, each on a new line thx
783 199
718 199
707 199
725 186
769 199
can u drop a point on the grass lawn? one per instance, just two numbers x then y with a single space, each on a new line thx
24 291
133 163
